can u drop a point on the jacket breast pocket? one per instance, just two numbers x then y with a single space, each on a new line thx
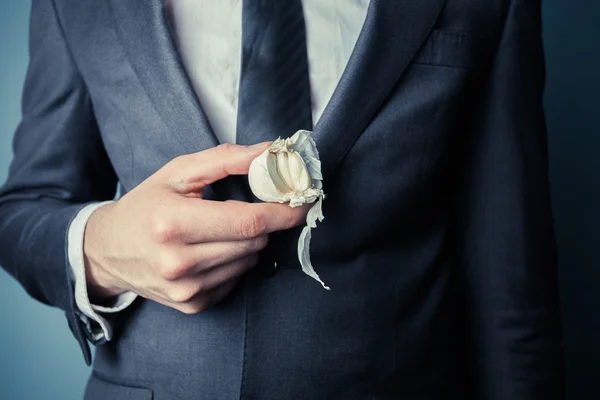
455 49
99 389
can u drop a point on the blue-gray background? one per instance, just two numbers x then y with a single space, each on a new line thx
39 359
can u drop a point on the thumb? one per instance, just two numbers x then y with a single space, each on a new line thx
193 172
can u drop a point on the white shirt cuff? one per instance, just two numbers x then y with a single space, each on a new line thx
87 310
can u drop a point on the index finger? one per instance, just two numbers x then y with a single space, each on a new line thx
192 172
214 221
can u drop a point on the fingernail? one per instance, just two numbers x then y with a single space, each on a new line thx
260 145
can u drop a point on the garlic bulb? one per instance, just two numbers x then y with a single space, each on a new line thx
289 171
280 174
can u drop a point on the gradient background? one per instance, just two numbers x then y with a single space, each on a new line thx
39 359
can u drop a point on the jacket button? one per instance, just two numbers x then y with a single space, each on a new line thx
268 269
272 268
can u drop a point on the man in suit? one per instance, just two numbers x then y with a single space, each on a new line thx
438 241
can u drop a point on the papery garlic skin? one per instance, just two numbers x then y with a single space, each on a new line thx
289 171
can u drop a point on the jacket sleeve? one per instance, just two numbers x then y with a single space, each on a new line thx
59 166
504 227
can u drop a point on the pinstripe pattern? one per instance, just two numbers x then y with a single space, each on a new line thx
274 94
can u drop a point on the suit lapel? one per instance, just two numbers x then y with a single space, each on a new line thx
393 32
146 37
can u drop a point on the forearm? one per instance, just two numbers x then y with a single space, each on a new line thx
33 243
60 165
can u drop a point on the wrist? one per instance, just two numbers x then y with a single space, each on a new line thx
102 287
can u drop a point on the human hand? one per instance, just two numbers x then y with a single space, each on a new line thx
163 241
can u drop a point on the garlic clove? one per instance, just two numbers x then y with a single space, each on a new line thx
261 183
283 170
298 172
275 172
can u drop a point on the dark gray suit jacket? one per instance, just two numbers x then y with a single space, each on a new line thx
438 241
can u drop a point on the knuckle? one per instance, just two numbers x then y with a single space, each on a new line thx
172 266
225 148
194 307
252 225
289 219
188 309
182 294
163 229
296 216
248 245
259 243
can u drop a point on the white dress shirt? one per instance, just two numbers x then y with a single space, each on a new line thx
208 34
